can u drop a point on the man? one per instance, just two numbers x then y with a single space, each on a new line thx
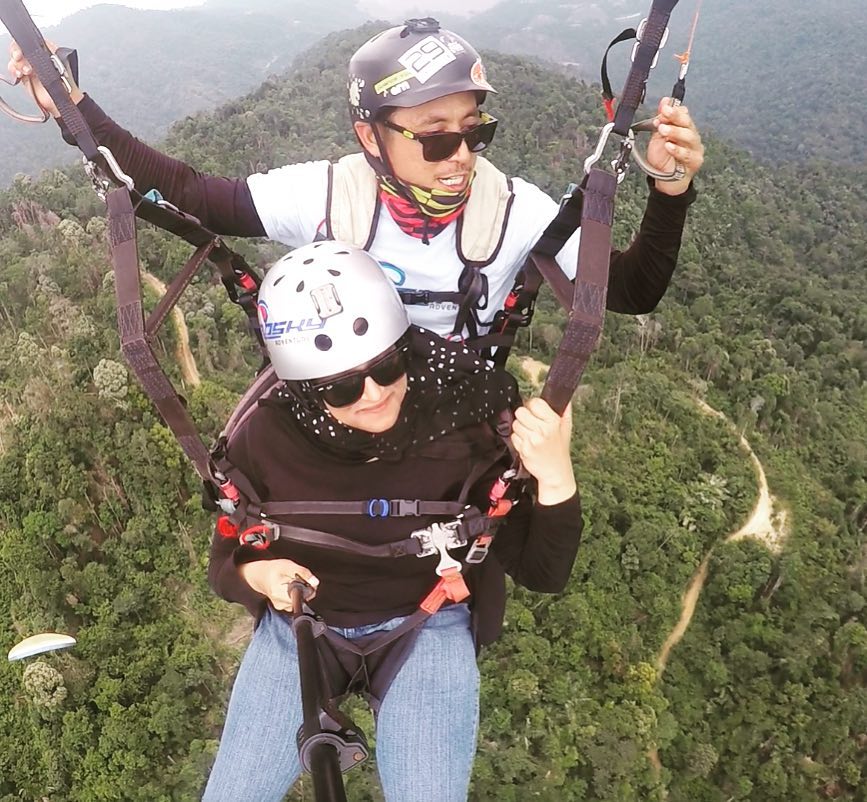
450 228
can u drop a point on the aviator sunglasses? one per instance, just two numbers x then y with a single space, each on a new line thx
345 389
441 145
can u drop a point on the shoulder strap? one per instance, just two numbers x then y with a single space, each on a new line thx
482 226
353 201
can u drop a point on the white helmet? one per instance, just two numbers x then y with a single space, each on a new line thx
326 308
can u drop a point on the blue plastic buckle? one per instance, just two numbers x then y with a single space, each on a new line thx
378 508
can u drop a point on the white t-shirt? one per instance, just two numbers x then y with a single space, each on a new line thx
291 202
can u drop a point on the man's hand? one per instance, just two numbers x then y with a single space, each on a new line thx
542 437
272 578
676 139
20 68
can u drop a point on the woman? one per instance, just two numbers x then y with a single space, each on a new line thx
372 409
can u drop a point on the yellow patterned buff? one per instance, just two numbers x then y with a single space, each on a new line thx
433 203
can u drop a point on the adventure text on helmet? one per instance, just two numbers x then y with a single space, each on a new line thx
410 65
326 308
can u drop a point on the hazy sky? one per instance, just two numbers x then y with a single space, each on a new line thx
50 12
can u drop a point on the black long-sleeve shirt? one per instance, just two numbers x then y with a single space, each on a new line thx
536 544
638 276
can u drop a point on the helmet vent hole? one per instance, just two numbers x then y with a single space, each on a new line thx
300 287
341 253
334 272
360 326
278 280
308 261
323 342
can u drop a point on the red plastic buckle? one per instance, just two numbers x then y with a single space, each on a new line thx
451 586
247 282
229 491
259 537
501 508
226 528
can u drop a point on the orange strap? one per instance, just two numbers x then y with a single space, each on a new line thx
451 586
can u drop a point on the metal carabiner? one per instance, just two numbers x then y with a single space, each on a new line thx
646 126
100 182
65 61
621 164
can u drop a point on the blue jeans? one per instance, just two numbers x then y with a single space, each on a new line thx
425 732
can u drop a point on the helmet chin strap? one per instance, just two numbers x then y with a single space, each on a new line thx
382 166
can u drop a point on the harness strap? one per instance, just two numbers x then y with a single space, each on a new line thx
650 36
239 279
415 297
372 508
135 342
123 204
608 97
465 530
591 287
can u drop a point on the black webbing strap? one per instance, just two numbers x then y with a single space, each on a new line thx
591 286
174 290
633 92
20 25
415 297
134 340
325 540
239 279
469 528
372 508
607 91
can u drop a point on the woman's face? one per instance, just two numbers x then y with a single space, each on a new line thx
377 410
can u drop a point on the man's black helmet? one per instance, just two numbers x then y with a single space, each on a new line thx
410 65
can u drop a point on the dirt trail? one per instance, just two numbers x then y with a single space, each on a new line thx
768 520
768 523
533 368
189 370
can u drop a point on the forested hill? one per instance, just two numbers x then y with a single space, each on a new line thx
779 78
764 700
782 78
155 67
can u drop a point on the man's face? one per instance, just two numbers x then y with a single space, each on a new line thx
457 112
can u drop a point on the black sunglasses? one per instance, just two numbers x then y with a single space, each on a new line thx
441 145
345 389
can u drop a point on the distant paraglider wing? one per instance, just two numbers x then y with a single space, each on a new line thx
37 644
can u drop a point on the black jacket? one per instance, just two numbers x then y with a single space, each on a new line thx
536 545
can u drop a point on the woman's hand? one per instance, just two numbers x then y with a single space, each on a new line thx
272 578
542 437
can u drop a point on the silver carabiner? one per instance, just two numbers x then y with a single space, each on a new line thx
101 184
620 165
646 126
